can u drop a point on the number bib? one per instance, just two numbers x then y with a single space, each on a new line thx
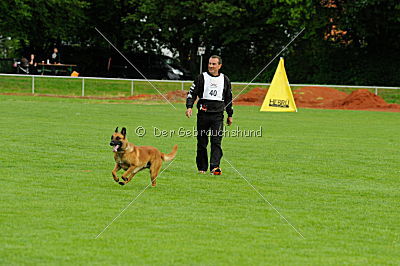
213 87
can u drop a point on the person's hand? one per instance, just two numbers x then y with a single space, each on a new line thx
189 112
229 121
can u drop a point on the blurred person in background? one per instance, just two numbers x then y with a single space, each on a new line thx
32 64
55 57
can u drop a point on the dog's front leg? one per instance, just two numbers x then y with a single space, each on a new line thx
130 172
114 172
129 178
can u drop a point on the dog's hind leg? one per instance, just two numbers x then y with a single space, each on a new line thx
154 170
114 172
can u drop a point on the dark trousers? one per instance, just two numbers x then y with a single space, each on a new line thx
209 125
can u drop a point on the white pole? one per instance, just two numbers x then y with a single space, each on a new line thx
201 63
182 86
376 91
83 87
131 87
33 84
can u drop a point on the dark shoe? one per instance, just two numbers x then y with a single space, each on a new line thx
216 171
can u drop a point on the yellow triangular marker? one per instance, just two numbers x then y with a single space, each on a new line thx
279 97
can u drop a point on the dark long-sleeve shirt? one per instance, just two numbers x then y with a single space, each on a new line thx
214 93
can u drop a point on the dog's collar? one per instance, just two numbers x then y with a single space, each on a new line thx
127 147
123 150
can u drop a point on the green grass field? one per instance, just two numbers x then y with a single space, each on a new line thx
332 174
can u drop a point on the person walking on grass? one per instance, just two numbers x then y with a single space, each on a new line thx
215 95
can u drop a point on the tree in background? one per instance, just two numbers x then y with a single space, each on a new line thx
345 42
39 25
237 30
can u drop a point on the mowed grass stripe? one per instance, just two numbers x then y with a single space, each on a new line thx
333 174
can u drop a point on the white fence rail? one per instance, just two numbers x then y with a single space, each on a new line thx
376 88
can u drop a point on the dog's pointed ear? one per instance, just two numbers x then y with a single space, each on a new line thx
116 130
123 131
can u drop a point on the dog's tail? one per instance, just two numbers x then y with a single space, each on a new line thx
170 156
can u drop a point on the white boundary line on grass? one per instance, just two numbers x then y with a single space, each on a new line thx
127 206
133 66
272 206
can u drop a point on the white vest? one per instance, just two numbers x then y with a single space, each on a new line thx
213 87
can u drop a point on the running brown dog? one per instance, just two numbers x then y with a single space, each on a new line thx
134 158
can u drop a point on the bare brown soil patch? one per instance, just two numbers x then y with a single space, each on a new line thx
325 98
305 97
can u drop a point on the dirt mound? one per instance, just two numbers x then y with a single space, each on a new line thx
254 97
317 97
313 97
308 97
176 95
324 97
136 97
364 99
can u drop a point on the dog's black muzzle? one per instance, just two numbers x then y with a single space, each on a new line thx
115 143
